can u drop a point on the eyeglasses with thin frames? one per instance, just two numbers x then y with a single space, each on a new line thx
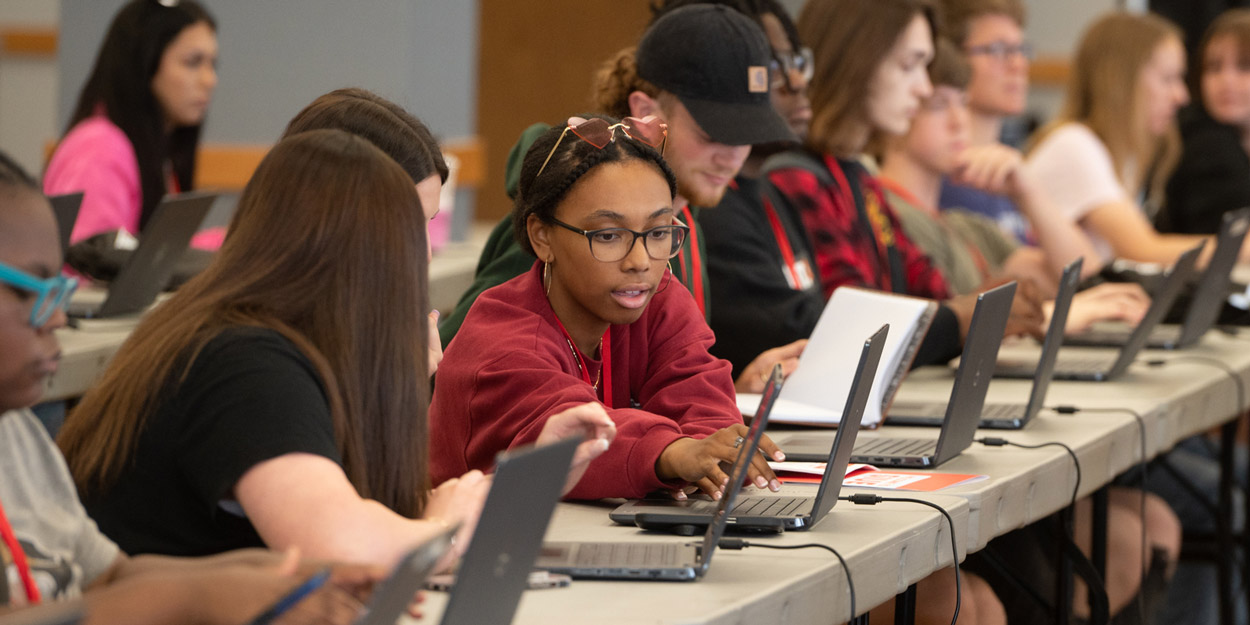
610 245
1002 51
784 66
51 294
599 133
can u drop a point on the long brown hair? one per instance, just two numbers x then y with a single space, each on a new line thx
327 248
1105 94
849 40
385 124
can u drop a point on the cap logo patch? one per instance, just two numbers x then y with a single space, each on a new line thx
757 79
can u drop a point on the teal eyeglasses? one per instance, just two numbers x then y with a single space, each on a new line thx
51 294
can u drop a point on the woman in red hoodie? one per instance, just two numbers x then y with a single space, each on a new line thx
597 318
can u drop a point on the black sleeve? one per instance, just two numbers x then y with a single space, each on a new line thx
1212 178
753 306
250 396
941 342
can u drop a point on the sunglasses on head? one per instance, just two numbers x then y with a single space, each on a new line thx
599 133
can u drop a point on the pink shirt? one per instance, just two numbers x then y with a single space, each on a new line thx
97 158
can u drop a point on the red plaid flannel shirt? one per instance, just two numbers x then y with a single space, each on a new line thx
847 251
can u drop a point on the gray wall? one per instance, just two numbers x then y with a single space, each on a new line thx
277 55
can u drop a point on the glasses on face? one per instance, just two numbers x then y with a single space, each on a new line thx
1002 51
597 132
786 65
609 245
941 102
51 294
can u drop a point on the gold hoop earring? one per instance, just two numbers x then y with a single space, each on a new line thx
547 278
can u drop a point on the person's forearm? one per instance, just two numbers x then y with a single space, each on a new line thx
1060 238
126 567
157 600
1163 248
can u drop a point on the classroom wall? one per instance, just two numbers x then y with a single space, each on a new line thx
277 55
28 86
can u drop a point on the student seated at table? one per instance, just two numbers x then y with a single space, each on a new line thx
1213 174
50 550
599 317
133 134
1115 139
855 236
402 137
969 248
279 398
709 139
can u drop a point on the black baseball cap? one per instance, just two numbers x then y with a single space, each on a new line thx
715 60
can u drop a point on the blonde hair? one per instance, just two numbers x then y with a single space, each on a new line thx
1105 93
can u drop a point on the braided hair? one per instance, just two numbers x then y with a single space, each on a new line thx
573 159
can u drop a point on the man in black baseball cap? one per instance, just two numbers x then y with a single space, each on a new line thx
715 60
703 69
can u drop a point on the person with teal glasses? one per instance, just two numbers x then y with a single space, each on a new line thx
50 550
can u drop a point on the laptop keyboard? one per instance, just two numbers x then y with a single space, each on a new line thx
1111 337
768 506
918 409
1080 364
1002 411
895 447
626 554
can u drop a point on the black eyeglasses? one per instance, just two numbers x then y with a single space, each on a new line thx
784 66
1001 51
609 245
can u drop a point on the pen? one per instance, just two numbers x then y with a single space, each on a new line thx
295 596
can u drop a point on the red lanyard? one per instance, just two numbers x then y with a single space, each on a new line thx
605 372
783 242
696 263
19 559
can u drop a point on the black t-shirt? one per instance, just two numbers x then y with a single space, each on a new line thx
1212 177
250 396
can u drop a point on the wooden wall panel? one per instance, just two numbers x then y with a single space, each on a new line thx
536 62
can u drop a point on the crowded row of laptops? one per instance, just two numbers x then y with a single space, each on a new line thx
508 541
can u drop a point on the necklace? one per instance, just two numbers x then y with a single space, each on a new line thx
605 349
581 365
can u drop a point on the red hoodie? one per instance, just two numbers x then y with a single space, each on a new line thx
510 367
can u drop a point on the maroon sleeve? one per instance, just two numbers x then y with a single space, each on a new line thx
515 393
682 380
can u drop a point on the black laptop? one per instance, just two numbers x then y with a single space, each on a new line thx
1083 365
769 511
65 209
985 334
1008 416
664 561
149 268
1204 306
392 597
495 570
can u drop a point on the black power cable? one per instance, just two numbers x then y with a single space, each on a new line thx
738 543
869 499
1142 467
